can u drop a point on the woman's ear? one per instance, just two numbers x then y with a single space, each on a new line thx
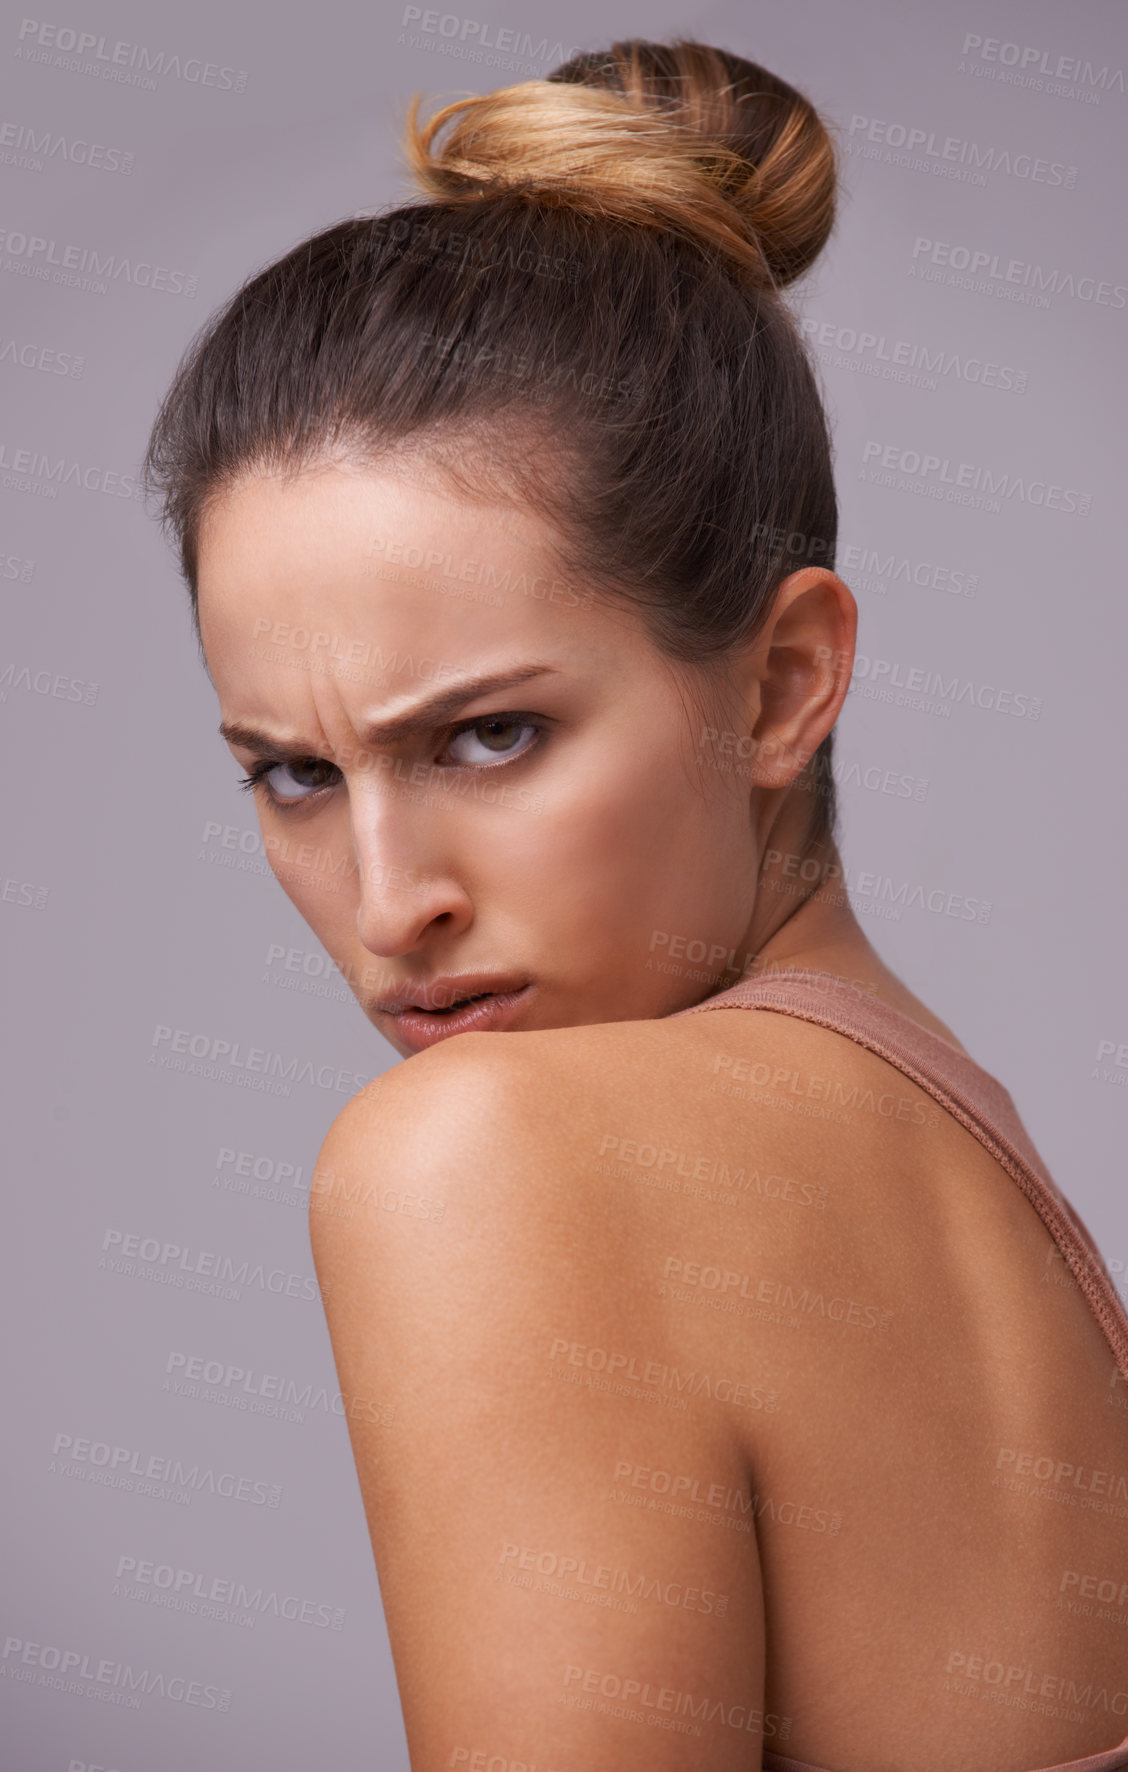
797 673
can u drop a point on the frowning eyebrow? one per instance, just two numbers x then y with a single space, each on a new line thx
422 718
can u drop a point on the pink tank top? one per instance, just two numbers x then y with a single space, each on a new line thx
981 1104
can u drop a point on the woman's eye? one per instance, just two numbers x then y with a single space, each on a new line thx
297 780
493 738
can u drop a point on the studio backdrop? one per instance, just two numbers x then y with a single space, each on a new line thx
188 1579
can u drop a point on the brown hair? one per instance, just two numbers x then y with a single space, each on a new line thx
586 317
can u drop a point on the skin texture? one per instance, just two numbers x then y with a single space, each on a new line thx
475 1248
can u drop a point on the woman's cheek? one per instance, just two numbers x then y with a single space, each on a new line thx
315 891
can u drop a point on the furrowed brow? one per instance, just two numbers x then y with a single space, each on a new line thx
421 719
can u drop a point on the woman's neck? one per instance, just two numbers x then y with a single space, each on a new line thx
818 931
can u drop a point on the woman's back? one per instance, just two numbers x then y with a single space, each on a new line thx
940 1493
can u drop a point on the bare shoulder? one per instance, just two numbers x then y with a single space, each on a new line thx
685 1090
550 1083
481 1111
458 1187
538 1126
541 1097
504 1131
511 1353
561 1177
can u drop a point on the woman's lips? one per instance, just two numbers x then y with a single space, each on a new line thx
419 1028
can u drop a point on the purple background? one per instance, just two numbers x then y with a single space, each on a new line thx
134 893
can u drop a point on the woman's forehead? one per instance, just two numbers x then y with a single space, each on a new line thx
337 560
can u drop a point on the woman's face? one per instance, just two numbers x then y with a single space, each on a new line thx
473 778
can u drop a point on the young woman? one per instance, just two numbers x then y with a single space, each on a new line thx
728 1382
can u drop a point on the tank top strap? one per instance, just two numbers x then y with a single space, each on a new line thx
976 1099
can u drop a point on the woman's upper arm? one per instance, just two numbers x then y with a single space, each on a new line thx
546 1603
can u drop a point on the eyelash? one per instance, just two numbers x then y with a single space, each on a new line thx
513 717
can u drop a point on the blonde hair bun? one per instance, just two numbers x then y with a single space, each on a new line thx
680 136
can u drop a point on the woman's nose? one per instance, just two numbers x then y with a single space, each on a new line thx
405 879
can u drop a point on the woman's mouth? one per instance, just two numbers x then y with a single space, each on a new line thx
451 1007
479 1011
